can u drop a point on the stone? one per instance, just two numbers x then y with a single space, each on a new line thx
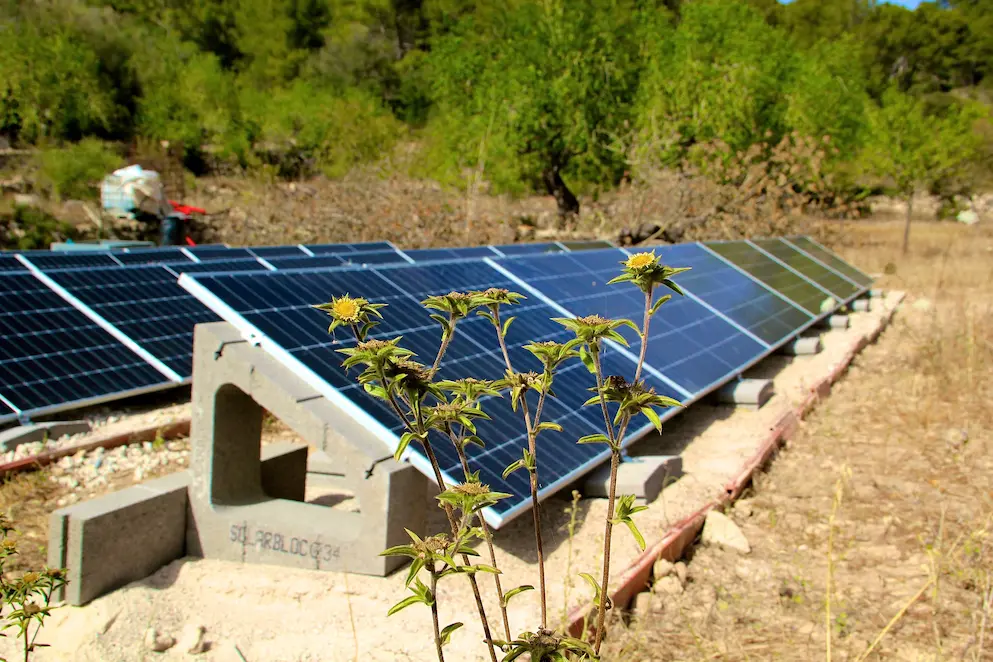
191 639
719 530
923 304
25 434
157 642
862 305
663 568
746 393
669 586
802 346
682 572
744 508
26 200
644 604
644 476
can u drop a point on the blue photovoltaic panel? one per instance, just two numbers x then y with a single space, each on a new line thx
811 269
218 266
210 254
165 255
586 245
741 298
435 254
53 356
338 249
276 251
277 305
689 344
759 265
528 249
374 257
11 263
6 412
215 251
818 252
146 304
306 262
44 260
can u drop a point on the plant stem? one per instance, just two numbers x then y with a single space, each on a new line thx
530 426
434 613
644 332
446 340
27 644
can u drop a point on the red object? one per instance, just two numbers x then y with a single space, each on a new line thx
186 209
190 242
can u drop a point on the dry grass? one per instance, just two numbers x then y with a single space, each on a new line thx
906 440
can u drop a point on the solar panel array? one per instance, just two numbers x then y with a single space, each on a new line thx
80 328
742 302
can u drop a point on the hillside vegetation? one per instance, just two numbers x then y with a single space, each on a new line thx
564 97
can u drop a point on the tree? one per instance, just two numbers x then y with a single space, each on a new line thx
542 87
915 150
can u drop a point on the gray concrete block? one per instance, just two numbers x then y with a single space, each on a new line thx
643 476
25 434
877 293
803 346
835 322
862 305
748 393
113 540
235 515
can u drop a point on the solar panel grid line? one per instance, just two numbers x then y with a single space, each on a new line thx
752 277
828 258
791 269
715 311
107 326
305 250
567 313
820 262
265 263
406 257
187 253
10 405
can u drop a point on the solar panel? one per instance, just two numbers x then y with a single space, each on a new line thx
374 257
306 262
586 245
210 254
146 305
52 356
275 307
152 256
528 249
690 345
435 254
276 251
811 269
218 266
766 270
11 263
45 260
337 249
748 303
829 259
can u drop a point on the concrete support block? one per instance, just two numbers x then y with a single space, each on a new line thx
803 346
877 293
643 476
862 305
25 434
835 322
235 516
113 540
748 393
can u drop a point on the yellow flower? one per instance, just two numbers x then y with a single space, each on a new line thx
641 260
346 309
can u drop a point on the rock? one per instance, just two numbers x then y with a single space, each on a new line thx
682 572
968 217
644 604
923 304
744 508
26 200
191 639
663 568
668 586
718 529
156 642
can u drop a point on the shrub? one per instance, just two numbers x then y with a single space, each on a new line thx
75 171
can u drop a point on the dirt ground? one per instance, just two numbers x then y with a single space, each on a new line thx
870 533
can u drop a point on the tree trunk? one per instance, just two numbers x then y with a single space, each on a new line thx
564 198
906 227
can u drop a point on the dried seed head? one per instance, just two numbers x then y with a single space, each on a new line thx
593 320
30 577
9 546
471 489
372 345
616 382
56 573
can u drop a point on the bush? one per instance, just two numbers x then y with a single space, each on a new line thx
75 171
28 228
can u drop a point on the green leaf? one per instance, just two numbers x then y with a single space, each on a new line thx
516 591
640 539
446 633
400 550
403 604
405 440
415 567
489 316
596 587
519 464
587 359
549 426
479 567
506 325
658 304
599 438
672 286
443 321
653 417
623 278
375 391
